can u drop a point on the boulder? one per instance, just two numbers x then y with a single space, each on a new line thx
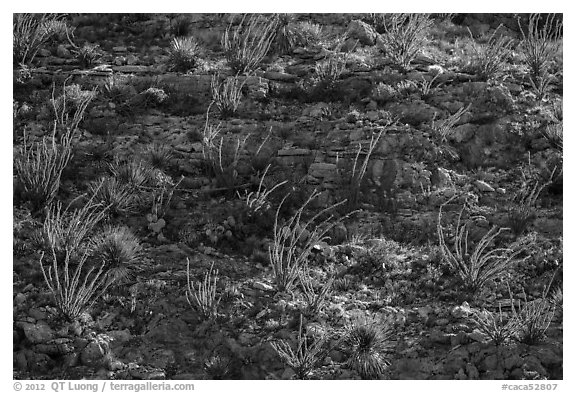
363 32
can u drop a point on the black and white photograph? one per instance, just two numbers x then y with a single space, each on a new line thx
287 196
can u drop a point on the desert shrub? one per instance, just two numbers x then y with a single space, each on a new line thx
38 167
308 354
328 71
475 266
541 42
534 318
442 130
554 134
353 180
558 301
74 290
221 157
257 202
293 242
246 45
203 299
227 95
88 55
523 209
69 108
404 36
118 250
490 58
497 326
65 232
368 341
183 54
291 34
118 89
315 297
30 32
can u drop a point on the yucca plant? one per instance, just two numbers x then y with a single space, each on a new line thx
308 354
246 45
120 197
160 156
183 54
203 299
131 173
118 249
368 341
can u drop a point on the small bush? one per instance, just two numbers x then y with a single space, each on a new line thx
133 173
475 267
328 71
353 181
293 35
293 242
30 32
534 318
490 58
499 328
73 291
65 231
183 54
368 342
541 42
203 299
307 355
227 95
315 298
88 55
404 37
38 168
246 45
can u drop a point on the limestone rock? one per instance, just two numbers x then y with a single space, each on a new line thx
363 32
